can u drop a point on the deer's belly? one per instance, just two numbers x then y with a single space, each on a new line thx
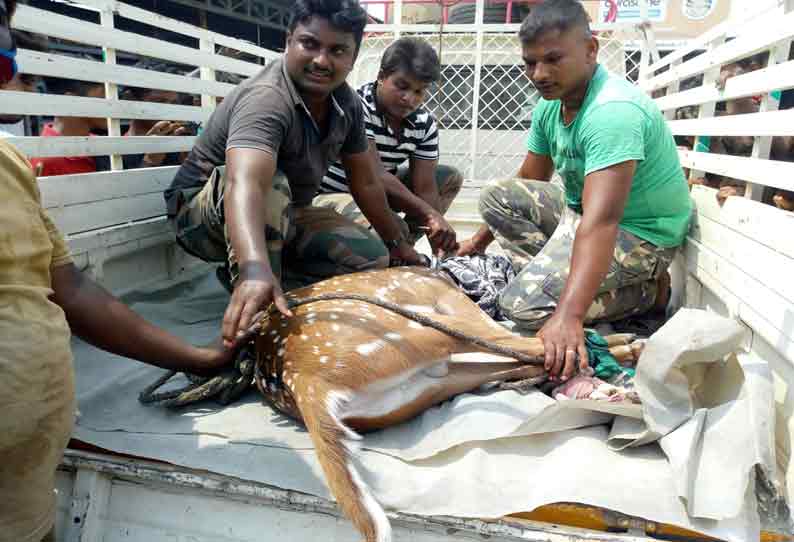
395 400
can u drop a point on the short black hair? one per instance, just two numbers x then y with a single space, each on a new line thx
344 15
560 15
11 8
139 93
59 85
414 56
31 41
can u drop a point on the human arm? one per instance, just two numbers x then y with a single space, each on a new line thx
612 142
536 167
162 128
441 234
99 318
603 200
370 196
249 178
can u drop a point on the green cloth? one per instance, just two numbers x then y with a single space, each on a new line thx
617 123
703 144
601 359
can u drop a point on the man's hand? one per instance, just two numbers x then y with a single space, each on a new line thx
255 291
162 128
441 235
477 244
214 357
726 192
469 247
404 254
563 339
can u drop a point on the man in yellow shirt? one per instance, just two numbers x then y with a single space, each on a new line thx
43 299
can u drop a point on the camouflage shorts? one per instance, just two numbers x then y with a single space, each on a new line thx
448 181
536 229
304 244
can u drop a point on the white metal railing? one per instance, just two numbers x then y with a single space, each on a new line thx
483 103
772 34
82 203
739 253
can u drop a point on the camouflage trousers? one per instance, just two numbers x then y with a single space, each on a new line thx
448 181
304 244
536 229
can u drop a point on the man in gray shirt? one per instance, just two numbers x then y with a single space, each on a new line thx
277 134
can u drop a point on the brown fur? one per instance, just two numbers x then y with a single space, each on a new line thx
338 360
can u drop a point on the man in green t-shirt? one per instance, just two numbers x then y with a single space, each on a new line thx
598 249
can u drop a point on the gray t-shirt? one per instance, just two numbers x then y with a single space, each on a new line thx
266 112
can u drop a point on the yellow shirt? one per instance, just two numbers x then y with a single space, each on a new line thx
36 381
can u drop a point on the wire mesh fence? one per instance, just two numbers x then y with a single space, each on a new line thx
483 120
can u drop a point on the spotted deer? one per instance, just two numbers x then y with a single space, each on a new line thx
346 366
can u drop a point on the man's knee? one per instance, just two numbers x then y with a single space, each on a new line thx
196 237
494 195
523 309
372 254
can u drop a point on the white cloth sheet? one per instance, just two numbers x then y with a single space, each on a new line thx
686 457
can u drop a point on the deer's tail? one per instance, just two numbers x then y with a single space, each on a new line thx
321 408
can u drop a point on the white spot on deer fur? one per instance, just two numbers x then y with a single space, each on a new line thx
393 336
336 327
317 334
368 348
348 279
415 325
381 292
363 319
323 359
280 352
304 337
334 317
329 344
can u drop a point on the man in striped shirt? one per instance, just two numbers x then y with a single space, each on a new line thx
403 142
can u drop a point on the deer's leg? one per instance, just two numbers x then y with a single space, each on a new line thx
628 353
405 398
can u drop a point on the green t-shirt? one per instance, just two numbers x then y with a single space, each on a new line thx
617 123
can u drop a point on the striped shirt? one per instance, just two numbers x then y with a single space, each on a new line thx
418 139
